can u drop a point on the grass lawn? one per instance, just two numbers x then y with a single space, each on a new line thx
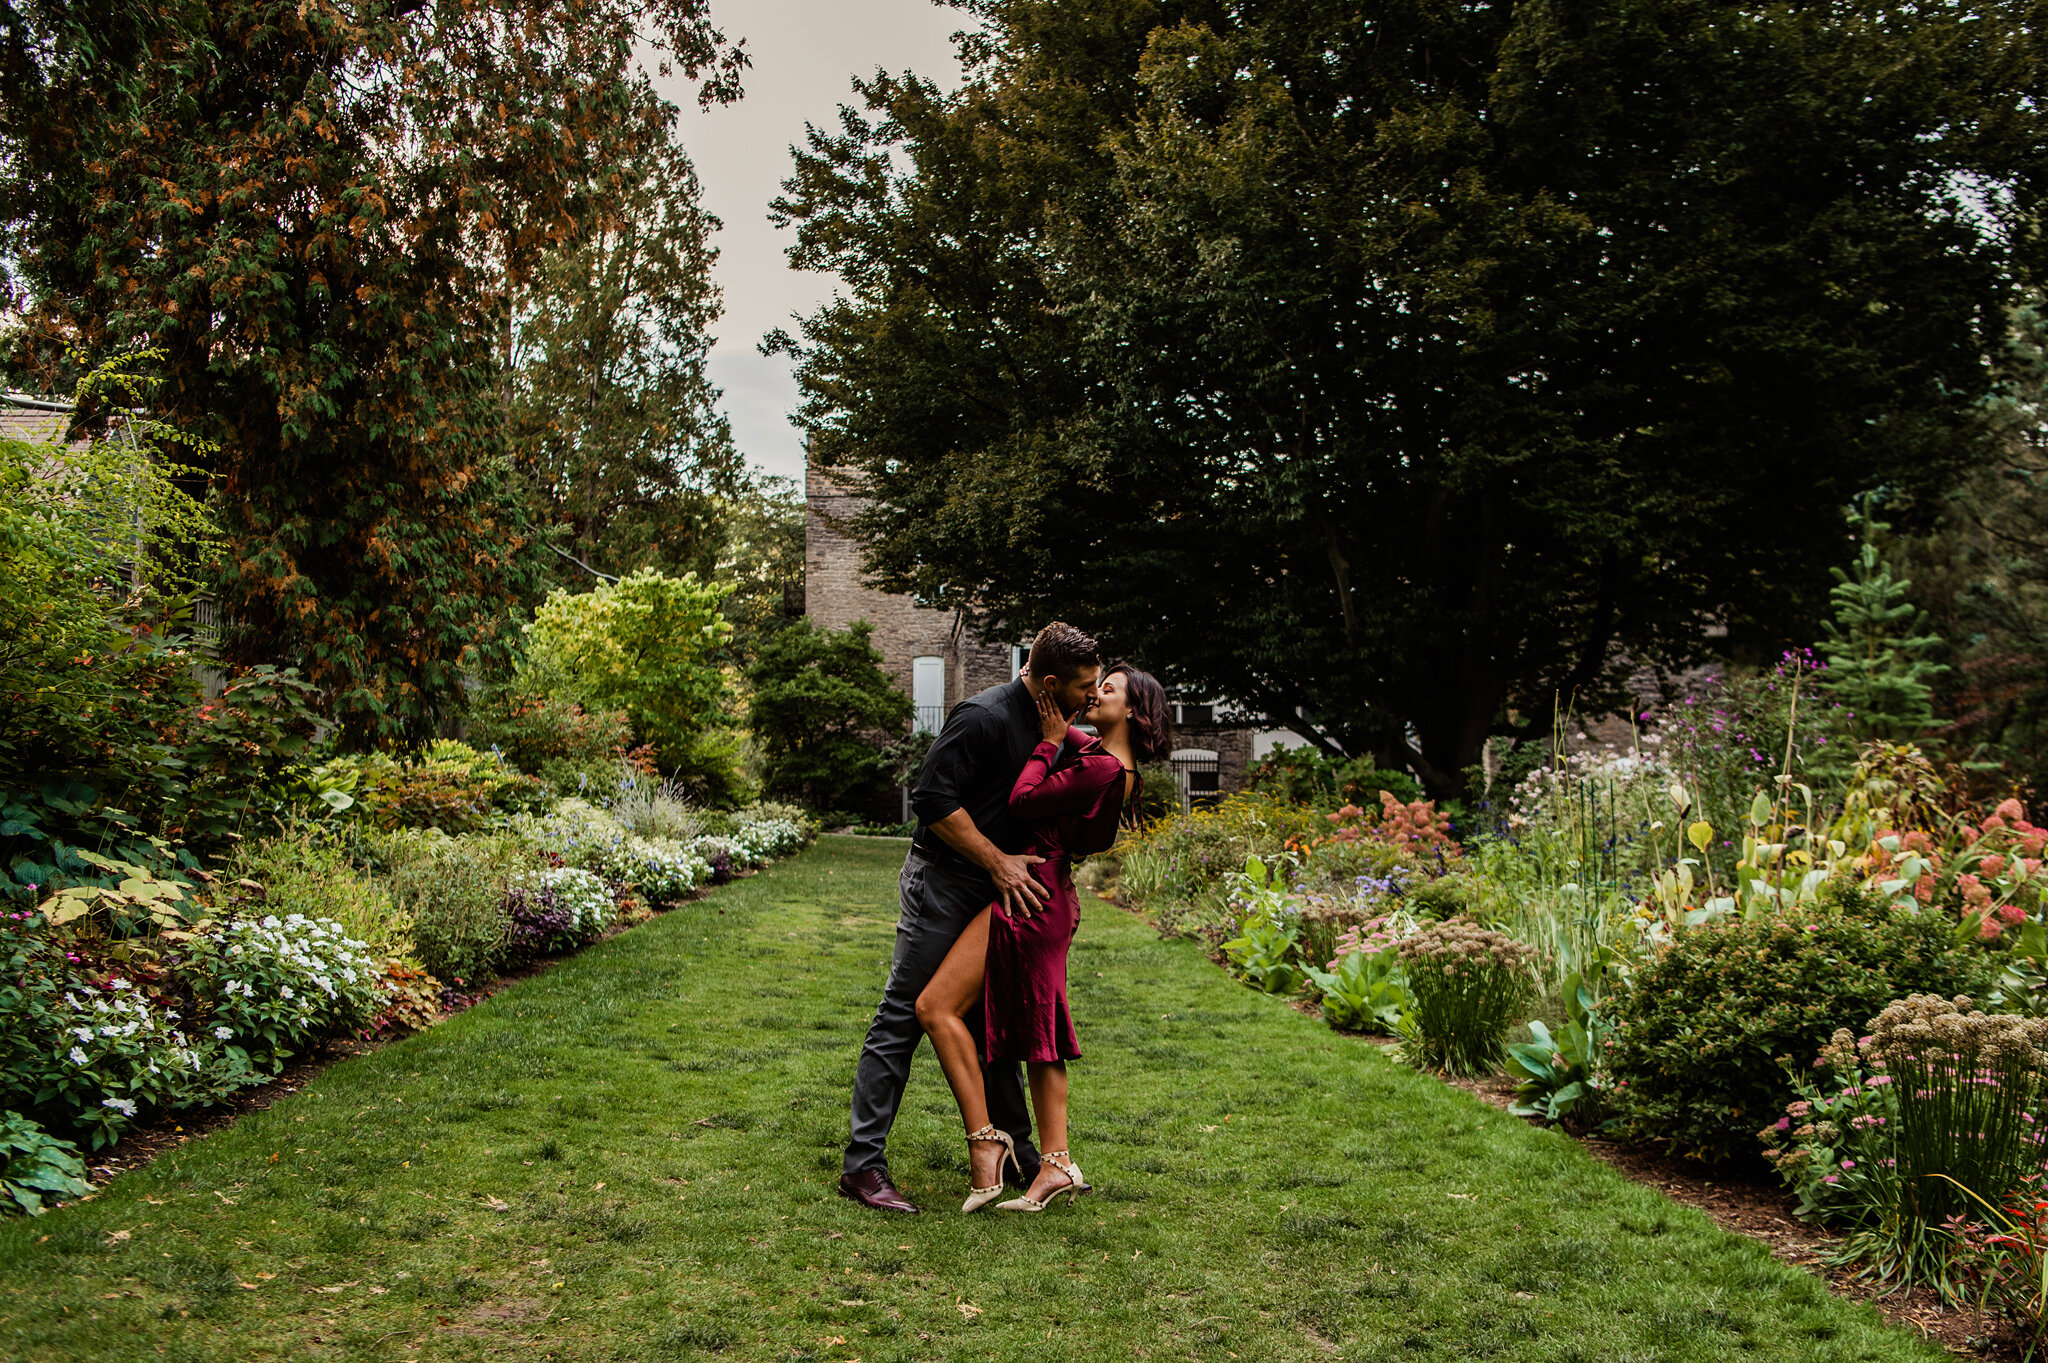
634 1157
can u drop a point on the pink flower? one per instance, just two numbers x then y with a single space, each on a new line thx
1989 928
2012 913
1993 866
1784 1124
1832 1178
1975 892
1848 1164
2011 810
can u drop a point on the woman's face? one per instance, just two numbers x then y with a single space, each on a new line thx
1112 701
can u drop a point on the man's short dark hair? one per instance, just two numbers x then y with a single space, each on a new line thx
1062 650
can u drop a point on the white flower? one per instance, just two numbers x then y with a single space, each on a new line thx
82 1033
77 1056
120 1105
223 1032
284 991
117 984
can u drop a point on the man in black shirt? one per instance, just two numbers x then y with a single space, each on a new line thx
966 855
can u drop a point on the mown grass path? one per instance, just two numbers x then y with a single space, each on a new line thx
633 1157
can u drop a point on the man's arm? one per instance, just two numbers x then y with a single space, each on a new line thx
950 768
1019 890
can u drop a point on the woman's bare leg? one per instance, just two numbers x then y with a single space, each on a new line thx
1049 1106
943 1005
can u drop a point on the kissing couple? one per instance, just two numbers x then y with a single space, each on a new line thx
1009 797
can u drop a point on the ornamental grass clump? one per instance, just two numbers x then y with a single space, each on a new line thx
1966 1083
1469 985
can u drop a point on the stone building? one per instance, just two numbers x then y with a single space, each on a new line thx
938 661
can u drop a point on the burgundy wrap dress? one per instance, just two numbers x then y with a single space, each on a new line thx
1024 987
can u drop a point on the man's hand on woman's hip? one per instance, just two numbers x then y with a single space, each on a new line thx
1016 888
1020 892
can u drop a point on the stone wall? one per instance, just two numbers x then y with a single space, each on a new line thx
835 597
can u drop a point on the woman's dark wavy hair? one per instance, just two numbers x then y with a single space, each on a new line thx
1151 716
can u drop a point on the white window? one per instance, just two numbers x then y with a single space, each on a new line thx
1018 653
928 693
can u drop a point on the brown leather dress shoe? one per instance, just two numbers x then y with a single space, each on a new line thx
872 1188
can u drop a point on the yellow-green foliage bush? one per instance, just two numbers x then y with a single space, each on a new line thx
307 871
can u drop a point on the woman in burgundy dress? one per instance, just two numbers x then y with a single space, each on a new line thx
1075 790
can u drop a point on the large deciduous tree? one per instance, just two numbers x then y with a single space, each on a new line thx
615 426
320 210
1397 369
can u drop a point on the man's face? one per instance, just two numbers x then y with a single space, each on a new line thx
1073 697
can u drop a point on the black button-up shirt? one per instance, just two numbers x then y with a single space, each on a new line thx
972 765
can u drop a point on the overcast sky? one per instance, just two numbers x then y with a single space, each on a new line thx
805 54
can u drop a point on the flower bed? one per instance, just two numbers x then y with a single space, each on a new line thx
113 1011
1661 948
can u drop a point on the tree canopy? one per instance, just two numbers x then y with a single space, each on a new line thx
615 426
1395 369
320 213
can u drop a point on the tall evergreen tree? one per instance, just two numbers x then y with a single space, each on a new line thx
1879 654
320 211
1395 368
820 700
1983 572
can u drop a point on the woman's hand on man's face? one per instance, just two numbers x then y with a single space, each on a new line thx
1052 725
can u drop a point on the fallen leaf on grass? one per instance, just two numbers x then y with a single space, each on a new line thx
836 1339
266 1277
337 1287
117 1237
853 1301
967 1311
497 1204
1464 1197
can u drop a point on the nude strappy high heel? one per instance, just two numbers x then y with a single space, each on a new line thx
1075 1185
977 1198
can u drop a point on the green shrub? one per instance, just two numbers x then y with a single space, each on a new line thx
1706 1029
819 697
451 786
308 871
648 645
550 735
454 890
35 1165
1468 985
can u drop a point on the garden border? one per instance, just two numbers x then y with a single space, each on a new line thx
143 1143
1750 1208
